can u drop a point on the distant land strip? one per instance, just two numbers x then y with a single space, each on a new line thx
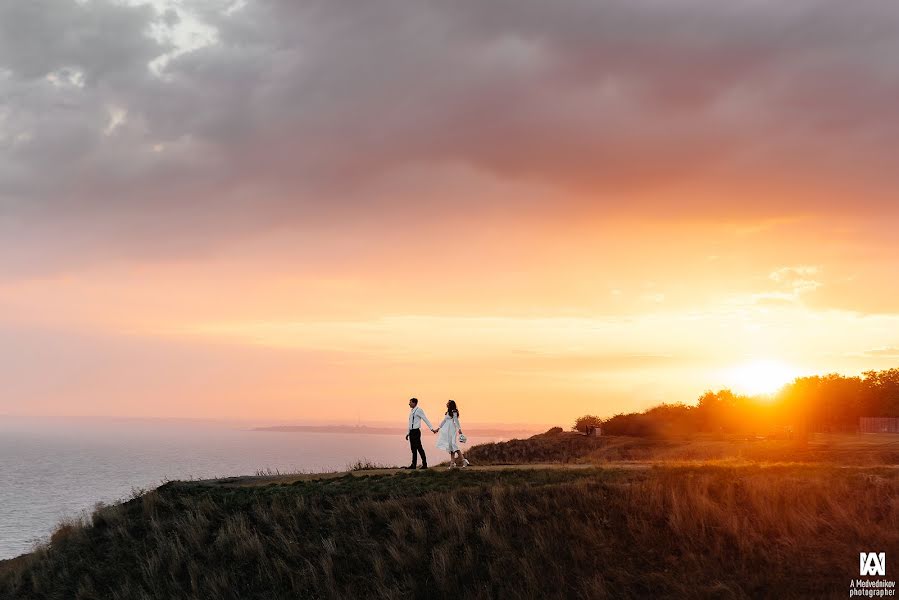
364 429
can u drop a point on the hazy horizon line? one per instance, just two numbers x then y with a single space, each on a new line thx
262 422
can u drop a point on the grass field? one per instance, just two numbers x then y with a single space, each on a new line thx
571 447
661 523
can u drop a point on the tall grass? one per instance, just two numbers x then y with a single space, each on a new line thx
570 447
719 532
365 464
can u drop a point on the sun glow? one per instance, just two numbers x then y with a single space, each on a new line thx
760 377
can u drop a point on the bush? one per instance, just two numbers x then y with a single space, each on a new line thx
587 421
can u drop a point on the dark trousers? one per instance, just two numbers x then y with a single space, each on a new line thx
415 443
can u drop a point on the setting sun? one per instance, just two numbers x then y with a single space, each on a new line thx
760 377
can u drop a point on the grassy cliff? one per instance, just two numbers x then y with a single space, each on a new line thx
557 446
689 531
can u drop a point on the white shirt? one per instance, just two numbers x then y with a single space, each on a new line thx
415 417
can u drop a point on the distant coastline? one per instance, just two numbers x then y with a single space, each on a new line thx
367 430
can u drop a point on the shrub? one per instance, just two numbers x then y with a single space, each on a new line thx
587 421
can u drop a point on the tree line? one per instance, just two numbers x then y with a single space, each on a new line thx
820 403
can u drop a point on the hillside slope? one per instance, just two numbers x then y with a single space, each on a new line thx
557 446
716 532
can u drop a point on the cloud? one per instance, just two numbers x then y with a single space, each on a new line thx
104 41
135 129
888 352
798 280
789 274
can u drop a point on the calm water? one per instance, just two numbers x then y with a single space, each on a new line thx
50 470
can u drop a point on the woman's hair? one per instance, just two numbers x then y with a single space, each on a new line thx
451 408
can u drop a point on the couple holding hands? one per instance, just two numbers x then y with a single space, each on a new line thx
449 429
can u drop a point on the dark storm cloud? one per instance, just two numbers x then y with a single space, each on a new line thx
101 38
303 110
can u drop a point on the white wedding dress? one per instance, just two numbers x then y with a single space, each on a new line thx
449 433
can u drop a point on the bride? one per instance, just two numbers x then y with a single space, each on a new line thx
449 430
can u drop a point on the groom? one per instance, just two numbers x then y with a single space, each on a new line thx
414 436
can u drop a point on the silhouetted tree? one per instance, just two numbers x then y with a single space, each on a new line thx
827 403
582 423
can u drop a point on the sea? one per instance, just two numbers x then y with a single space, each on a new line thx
57 469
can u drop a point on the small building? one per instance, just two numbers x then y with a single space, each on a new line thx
878 424
593 431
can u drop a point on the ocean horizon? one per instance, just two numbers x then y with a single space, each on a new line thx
57 469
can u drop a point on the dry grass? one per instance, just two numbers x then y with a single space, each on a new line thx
365 464
570 447
710 531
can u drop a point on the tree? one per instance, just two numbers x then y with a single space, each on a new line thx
582 423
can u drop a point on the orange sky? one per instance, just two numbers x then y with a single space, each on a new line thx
537 327
539 212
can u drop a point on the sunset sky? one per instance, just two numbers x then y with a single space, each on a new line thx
313 210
